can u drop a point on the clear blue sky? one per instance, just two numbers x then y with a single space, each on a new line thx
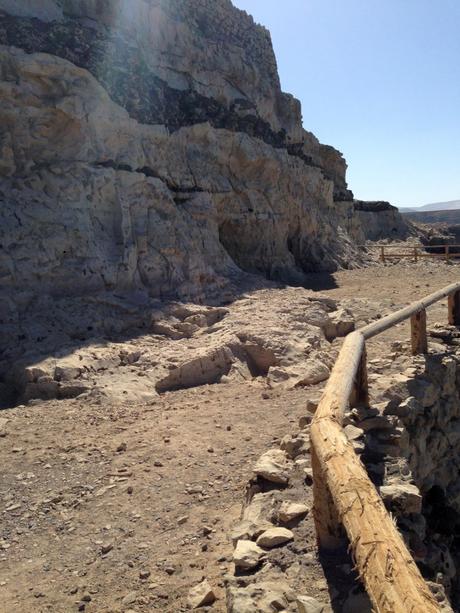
379 80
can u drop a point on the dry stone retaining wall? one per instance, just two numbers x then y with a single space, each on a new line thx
409 440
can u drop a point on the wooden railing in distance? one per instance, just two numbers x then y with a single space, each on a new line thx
344 496
415 252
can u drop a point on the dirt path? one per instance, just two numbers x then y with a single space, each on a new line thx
124 508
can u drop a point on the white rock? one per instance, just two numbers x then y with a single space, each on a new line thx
201 595
274 537
403 497
352 432
263 596
247 555
274 466
291 510
314 372
307 604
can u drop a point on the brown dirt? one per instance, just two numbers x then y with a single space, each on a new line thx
103 503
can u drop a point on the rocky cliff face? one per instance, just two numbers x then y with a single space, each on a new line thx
148 145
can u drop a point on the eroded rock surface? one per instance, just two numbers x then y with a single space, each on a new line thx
263 336
148 146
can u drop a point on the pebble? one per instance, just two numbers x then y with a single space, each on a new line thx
201 595
121 447
144 574
307 604
129 598
106 547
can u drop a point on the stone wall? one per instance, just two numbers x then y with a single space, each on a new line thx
409 441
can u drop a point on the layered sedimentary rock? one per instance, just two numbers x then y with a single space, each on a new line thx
372 221
148 145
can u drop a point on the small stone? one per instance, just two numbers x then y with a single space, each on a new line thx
121 447
158 463
170 570
307 604
402 498
274 537
206 530
182 520
247 555
291 510
352 432
201 595
304 421
86 598
130 598
106 547
273 466
144 574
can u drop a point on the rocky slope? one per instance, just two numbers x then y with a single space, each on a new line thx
148 145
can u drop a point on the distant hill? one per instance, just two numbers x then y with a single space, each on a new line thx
449 216
451 205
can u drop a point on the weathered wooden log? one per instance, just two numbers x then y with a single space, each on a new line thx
419 340
329 530
386 567
360 391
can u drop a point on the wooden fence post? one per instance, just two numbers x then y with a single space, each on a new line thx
360 392
382 253
453 307
415 254
418 332
446 250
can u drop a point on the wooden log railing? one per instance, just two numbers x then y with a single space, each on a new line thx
416 251
344 496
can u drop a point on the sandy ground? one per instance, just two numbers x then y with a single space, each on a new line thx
124 508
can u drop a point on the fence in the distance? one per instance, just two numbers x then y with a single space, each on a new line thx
415 252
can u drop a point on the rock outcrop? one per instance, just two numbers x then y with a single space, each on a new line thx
147 151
